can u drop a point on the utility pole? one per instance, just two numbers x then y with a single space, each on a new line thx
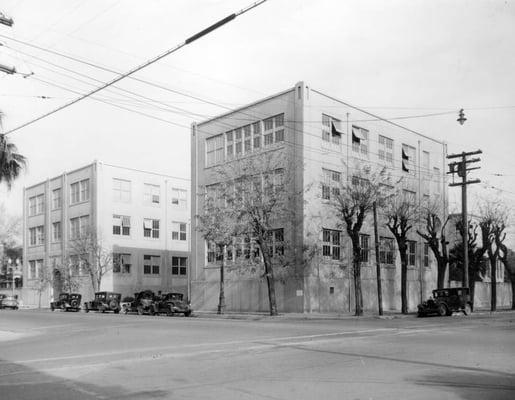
461 168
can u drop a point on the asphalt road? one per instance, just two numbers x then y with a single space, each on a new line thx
60 355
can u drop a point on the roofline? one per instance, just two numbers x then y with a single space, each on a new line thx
245 106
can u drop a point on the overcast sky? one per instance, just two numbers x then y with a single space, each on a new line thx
394 58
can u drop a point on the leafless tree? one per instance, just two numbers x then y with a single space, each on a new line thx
508 259
434 222
402 213
66 275
43 281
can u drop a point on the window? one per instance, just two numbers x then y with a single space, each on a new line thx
364 241
358 181
37 204
409 196
359 140
121 225
436 181
179 198
409 159
385 150
151 228
35 268
151 194
279 128
179 265
269 131
425 161
151 264
331 130
79 191
276 242
56 231
56 199
214 150
79 226
121 190
426 254
247 139
387 251
256 132
32 206
273 130
238 142
122 263
178 231
229 144
213 254
412 253
330 183
36 235
331 243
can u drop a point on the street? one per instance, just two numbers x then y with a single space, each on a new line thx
62 355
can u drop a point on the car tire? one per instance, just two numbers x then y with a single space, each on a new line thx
52 308
117 311
442 310
140 310
151 311
187 313
169 313
86 308
467 310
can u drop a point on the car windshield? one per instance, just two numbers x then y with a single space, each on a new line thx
174 296
63 296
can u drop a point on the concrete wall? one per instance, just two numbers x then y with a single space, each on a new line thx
482 295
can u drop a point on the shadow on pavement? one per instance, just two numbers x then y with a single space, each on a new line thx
472 385
19 382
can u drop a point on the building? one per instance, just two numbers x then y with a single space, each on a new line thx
323 141
142 217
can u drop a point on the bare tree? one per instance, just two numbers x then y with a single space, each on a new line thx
66 274
218 224
353 201
508 259
434 223
43 281
402 212
95 259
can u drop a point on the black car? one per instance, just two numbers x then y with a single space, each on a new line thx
172 303
67 302
446 301
104 301
142 303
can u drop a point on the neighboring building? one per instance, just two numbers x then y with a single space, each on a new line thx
143 217
327 140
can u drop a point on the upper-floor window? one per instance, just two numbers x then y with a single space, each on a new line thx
79 227
360 140
178 231
35 268
385 151
364 241
151 228
36 204
151 264
122 263
256 134
121 190
238 142
387 251
32 206
56 199
214 150
36 235
436 180
121 225
412 252
179 197
331 129
151 194
79 191
409 160
331 181
56 231
331 243
273 131
179 265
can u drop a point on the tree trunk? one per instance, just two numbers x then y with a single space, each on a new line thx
378 264
442 266
472 288
269 273
404 280
358 296
493 287
221 298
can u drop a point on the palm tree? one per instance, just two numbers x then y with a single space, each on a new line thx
11 162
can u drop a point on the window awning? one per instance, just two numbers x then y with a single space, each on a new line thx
404 155
405 165
335 131
357 135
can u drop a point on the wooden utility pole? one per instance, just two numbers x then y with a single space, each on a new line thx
378 264
461 168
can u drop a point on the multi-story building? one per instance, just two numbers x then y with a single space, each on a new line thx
323 142
142 217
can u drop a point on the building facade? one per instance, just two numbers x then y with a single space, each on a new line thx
322 141
141 217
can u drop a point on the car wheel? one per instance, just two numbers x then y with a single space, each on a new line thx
52 308
187 313
169 313
86 309
467 310
117 311
140 310
151 311
442 310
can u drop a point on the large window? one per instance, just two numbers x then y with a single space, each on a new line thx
387 251
79 226
330 184
121 190
79 191
36 235
151 194
409 159
331 243
273 130
179 266
360 140
32 206
151 228
35 268
412 253
179 198
385 151
56 199
178 231
151 264
436 181
364 243
56 231
256 133
122 263
121 225
36 204
214 150
331 130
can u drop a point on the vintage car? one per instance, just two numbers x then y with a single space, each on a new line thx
446 301
172 303
104 301
9 302
143 303
67 302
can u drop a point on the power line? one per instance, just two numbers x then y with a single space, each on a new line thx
188 41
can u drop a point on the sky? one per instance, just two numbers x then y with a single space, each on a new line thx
397 58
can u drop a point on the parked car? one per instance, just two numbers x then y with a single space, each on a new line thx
446 301
104 301
172 303
67 302
143 303
9 302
